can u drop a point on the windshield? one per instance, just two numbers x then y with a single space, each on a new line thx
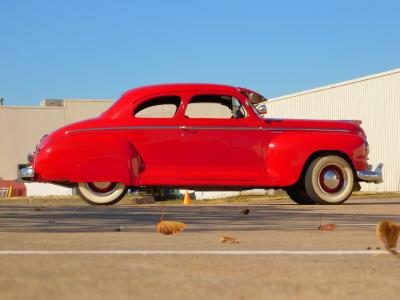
253 100
254 107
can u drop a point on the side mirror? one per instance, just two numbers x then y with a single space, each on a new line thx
262 109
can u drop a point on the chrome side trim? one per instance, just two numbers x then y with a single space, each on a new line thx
260 128
309 129
184 127
123 128
371 176
26 173
218 128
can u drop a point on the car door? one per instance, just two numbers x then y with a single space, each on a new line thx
219 141
154 134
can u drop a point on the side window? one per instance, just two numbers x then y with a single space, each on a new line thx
160 107
215 107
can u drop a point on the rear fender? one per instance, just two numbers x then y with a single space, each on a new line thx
90 157
106 157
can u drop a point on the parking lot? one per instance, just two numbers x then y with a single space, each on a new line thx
66 252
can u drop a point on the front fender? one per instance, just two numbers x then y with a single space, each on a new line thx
89 157
288 152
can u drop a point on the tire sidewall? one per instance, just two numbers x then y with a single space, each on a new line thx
94 199
312 184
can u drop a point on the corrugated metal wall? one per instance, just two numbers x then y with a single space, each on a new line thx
374 99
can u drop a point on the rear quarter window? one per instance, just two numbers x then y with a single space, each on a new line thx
159 107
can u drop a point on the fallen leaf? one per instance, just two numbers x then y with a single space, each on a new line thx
388 233
327 227
170 227
229 240
245 212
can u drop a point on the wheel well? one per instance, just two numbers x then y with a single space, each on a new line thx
320 154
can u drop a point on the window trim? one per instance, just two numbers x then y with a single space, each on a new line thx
211 93
155 96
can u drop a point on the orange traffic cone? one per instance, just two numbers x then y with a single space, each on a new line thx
10 190
186 200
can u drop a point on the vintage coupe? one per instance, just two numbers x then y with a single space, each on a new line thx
203 137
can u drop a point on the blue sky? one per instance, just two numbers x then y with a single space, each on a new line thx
99 49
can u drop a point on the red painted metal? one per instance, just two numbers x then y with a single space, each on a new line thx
18 189
212 153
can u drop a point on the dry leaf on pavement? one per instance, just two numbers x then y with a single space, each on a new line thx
245 212
388 233
229 240
170 227
326 227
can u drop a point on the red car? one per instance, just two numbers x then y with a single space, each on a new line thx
203 137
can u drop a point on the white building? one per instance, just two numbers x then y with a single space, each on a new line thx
373 99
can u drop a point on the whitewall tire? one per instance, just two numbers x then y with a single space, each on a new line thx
101 193
329 180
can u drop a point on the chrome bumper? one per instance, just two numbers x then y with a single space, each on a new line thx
371 176
26 173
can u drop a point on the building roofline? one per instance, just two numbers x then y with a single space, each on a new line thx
53 107
30 107
89 100
335 85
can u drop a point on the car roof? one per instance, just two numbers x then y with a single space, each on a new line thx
140 92
176 87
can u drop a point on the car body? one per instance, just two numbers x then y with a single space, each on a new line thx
204 137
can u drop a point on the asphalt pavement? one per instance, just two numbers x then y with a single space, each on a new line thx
87 252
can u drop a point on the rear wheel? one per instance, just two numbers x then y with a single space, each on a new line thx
101 193
299 196
329 180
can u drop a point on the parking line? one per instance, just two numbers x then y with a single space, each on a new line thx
192 252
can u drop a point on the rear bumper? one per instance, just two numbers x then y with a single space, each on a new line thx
26 173
371 176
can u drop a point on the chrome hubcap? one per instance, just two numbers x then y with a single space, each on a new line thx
332 179
102 188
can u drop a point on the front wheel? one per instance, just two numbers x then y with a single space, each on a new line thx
329 180
101 193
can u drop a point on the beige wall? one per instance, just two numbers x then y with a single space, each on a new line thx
77 110
22 127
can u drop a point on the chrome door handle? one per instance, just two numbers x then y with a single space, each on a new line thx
188 128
